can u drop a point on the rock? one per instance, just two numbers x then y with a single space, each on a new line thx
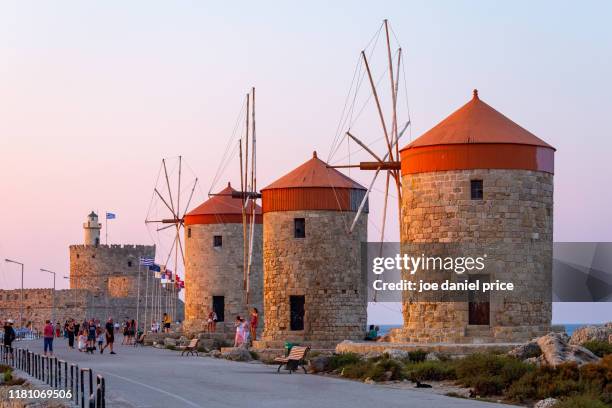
369 381
237 354
546 403
208 344
388 375
215 354
526 351
384 339
318 364
556 350
590 333
432 357
169 341
396 354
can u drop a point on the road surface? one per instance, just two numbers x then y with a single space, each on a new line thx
149 377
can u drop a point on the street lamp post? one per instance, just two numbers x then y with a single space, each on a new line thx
53 306
21 306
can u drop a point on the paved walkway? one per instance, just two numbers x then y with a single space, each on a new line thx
150 377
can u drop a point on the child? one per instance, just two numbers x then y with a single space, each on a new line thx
82 343
100 334
239 339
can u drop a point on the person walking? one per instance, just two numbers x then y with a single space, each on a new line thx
48 333
254 323
110 336
9 336
70 332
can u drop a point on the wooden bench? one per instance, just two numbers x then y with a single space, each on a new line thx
191 348
295 359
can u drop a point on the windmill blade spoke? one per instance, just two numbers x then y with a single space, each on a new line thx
169 189
170 251
165 202
166 227
178 238
366 148
190 197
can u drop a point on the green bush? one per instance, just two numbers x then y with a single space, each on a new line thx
599 348
341 360
170 347
376 369
581 401
430 371
202 349
254 355
417 355
7 375
500 369
486 386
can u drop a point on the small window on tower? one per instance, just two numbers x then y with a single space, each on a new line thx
299 227
476 189
217 241
129 264
188 232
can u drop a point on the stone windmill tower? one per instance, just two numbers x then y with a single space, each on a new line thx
214 248
479 182
314 287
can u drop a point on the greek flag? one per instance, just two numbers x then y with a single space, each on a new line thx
110 216
147 261
154 267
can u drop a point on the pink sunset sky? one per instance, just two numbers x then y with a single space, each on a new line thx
94 94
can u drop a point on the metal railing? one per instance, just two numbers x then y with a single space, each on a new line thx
59 375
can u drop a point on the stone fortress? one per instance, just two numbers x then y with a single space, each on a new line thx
103 283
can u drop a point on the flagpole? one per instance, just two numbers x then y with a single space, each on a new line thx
106 227
138 298
144 326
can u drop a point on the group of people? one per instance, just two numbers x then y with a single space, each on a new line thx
88 334
246 330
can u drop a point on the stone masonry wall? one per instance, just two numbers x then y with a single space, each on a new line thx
110 273
211 271
325 267
38 305
512 225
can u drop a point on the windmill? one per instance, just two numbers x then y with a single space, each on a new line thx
392 127
248 195
172 195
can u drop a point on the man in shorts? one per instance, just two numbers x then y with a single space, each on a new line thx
110 336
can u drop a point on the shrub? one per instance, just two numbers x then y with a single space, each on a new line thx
340 360
376 369
417 355
581 401
7 375
473 369
430 371
356 371
170 347
202 349
599 348
254 355
488 385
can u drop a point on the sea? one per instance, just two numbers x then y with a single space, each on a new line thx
569 328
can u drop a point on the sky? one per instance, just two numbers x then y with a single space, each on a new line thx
94 94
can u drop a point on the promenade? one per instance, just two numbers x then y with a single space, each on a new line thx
150 377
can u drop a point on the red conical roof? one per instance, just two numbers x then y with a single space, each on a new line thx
220 208
477 122
476 136
314 173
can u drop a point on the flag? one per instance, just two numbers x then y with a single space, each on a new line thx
145 261
110 216
154 267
